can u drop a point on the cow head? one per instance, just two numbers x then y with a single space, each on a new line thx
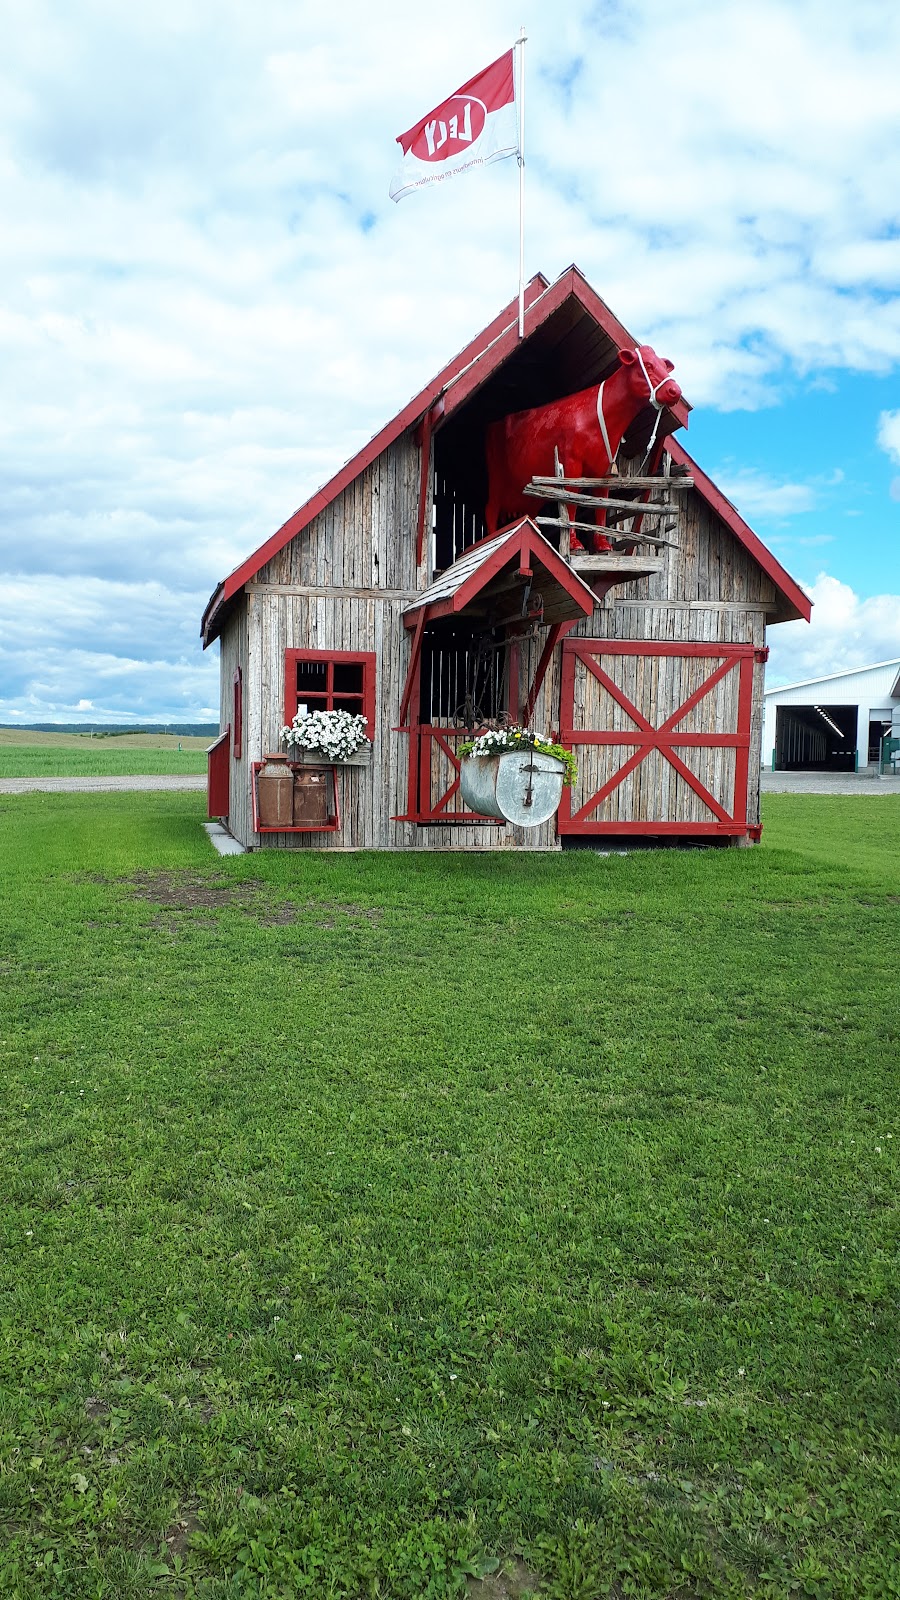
648 365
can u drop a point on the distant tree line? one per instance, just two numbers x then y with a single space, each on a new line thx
109 729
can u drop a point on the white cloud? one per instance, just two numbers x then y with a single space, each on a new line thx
209 302
846 631
889 433
758 495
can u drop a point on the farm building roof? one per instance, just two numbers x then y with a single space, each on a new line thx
848 672
481 576
569 332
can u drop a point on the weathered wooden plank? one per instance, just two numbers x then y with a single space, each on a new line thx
597 503
606 562
617 482
592 527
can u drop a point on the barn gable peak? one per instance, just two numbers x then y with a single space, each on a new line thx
572 340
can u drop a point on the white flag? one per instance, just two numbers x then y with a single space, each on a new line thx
469 129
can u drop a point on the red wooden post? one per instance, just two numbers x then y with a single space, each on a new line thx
412 671
557 631
432 415
742 753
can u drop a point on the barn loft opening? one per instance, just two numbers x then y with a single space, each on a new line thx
570 351
816 738
464 674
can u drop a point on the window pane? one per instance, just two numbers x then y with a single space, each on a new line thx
348 677
348 702
312 677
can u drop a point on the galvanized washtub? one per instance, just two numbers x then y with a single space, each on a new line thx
521 786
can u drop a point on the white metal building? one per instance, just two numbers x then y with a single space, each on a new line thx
833 724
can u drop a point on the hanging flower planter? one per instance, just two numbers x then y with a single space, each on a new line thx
515 775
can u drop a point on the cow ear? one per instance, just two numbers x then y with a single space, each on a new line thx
669 366
627 357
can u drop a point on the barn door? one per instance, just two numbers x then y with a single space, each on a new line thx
661 733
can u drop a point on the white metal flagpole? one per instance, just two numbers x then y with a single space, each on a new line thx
520 46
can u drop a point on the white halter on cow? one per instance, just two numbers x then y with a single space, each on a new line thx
582 430
658 405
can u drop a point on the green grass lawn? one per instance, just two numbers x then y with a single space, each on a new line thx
24 754
374 1223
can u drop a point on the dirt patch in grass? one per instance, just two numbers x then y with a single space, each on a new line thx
340 908
191 892
178 1536
513 1583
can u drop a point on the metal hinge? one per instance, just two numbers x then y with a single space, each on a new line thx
761 656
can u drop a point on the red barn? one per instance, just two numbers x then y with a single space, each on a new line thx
638 637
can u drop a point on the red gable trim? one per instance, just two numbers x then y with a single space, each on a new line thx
358 463
460 378
571 284
522 539
798 604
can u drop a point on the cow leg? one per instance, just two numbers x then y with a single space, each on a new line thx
600 540
572 469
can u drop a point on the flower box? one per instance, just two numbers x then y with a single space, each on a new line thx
313 758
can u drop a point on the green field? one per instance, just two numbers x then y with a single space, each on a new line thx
24 754
372 1224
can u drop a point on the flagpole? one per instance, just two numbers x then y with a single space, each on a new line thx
520 46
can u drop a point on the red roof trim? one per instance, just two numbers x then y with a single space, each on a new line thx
570 284
525 538
462 376
358 463
797 602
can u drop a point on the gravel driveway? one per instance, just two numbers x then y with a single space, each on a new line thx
861 783
97 785
772 783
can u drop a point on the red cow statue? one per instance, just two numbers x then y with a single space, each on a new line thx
586 428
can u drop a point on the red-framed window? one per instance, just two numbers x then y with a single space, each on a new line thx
330 680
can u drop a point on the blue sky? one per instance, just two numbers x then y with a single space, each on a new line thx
209 301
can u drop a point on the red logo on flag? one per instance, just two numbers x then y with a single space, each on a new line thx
450 128
471 128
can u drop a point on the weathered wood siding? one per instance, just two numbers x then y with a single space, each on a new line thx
344 583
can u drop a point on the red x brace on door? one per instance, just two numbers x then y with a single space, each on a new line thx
654 705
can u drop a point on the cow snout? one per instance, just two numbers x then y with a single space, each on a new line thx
669 393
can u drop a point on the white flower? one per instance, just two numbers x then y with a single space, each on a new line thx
333 734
